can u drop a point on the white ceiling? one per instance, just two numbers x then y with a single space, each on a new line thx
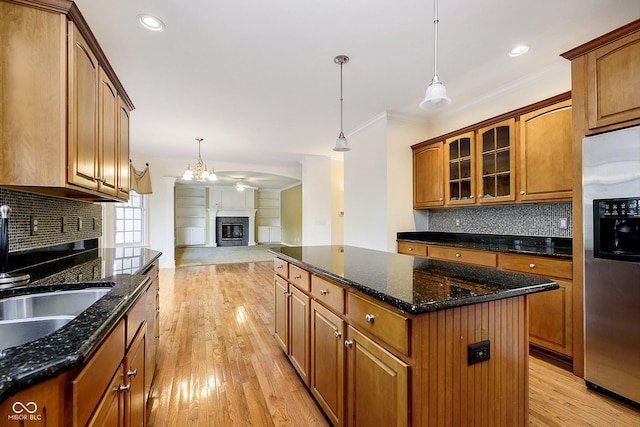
256 78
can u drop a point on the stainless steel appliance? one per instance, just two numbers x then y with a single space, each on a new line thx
611 238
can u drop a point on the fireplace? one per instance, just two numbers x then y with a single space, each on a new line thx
232 231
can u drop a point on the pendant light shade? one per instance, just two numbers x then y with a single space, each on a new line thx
341 142
436 94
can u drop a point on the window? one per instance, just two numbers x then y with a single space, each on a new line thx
130 217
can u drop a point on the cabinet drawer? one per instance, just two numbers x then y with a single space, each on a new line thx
416 249
540 266
484 259
136 316
87 388
390 327
281 267
299 277
328 293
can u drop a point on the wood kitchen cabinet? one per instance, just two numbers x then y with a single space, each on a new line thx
496 162
69 114
292 318
428 176
460 180
327 361
550 313
378 391
546 164
417 249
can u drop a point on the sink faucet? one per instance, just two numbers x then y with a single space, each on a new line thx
6 279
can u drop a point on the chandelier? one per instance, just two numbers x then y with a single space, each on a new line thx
200 173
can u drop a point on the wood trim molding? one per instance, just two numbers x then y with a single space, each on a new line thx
594 44
511 114
60 6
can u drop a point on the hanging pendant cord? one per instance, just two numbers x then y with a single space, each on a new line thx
435 39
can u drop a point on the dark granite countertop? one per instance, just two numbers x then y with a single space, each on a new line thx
557 247
413 284
36 361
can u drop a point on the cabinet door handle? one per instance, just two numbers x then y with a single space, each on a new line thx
133 373
323 292
337 334
124 387
458 255
532 265
369 318
297 277
279 267
284 292
348 343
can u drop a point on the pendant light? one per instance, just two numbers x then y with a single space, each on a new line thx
201 173
436 94
341 142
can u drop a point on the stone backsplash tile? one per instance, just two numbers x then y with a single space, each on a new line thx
84 220
540 220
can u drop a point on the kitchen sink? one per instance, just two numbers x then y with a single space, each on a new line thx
19 331
61 303
26 318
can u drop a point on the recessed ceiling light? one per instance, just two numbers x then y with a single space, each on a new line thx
519 50
151 22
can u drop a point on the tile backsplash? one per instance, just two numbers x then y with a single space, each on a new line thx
542 220
82 220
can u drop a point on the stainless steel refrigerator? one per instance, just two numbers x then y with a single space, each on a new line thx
611 238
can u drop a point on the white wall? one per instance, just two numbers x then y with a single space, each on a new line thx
378 183
322 201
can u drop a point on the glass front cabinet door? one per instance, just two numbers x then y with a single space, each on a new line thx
460 170
496 162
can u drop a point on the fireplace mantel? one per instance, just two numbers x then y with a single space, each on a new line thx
215 213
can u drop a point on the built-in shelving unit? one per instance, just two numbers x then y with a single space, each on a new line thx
191 215
268 216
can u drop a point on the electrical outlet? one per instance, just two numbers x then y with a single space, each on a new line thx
95 224
79 223
563 223
457 222
33 225
478 352
65 224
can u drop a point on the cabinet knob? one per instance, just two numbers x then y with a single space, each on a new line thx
369 318
441 199
410 249
479 196
323 292
348 343
532 265
279 267
471 196
133 373
284 292
337 334
458 255
522 192
124 387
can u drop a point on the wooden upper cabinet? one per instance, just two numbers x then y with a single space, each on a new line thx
428 176
108 153
459 179
546 163
83 112
613 83
68 115
124 183
496 162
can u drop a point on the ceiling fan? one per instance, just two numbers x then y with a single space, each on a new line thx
241 186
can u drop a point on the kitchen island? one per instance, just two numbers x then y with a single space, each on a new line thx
391 339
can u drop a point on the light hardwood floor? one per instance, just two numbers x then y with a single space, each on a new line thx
219 364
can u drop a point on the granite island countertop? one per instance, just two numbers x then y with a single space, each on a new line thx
557 247
412 284
68 347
